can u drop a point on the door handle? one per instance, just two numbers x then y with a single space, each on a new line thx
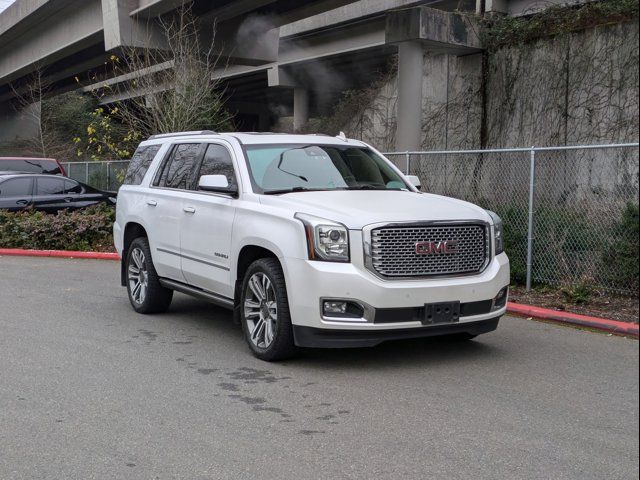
68 199
189 210
22 202
152 203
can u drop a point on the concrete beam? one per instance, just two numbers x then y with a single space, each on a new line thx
68 31
122 30
153 8
278 77
439 31
348 13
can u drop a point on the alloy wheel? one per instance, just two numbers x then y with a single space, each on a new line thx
138 276
261 310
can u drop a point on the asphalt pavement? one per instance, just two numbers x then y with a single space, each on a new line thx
90 389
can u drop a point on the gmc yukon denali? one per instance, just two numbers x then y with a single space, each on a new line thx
311 240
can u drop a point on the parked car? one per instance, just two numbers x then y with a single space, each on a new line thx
313 241
31 165
48 193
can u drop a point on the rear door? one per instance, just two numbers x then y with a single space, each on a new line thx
16 193
206 227
50 194
78 196
164 202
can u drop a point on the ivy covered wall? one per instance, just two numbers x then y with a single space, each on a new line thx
562 77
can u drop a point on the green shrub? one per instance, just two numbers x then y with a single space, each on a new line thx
565 244
620 258
88 229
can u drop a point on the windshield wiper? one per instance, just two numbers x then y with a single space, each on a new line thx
369 187
291 190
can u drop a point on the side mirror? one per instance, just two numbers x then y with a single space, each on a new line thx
415 181
215 183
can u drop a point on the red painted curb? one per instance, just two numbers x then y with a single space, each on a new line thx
19 252
612 326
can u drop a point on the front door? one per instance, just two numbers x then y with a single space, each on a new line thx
16 193
207 226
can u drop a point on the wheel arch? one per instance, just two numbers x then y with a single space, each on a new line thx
132 230
246 256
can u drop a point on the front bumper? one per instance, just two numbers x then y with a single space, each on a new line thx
309 281
325 338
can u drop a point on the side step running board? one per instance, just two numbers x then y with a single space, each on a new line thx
197 292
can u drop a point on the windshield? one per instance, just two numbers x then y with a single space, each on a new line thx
285 168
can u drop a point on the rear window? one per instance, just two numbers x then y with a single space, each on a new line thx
140 163
28 165
50 186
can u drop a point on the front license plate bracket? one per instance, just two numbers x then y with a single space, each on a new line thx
445 312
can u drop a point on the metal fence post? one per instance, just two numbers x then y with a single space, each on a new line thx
108 176
86 172
530 232
408 159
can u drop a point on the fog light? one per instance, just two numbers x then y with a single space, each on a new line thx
343 310
334 307
500 300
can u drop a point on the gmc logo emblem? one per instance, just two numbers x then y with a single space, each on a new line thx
436 248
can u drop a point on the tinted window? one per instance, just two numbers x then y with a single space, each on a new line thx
50 186
29 166
178 170
140 163
217 161
72 187
17 187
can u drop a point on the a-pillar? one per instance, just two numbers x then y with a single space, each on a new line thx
409 124
300 108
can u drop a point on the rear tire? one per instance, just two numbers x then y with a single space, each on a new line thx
264 311
143 284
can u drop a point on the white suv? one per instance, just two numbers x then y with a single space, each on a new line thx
313 241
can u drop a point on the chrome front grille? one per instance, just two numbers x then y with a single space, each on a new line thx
393 250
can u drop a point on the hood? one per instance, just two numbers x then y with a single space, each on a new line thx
358 208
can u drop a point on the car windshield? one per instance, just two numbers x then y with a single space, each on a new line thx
293 168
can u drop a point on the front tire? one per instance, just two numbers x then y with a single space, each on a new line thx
143 284
264 311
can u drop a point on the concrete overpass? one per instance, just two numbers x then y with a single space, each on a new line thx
311 51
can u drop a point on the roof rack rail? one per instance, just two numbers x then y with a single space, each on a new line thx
182 134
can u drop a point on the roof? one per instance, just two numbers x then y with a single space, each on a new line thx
27 158
257 138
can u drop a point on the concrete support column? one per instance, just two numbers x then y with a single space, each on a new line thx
410 67
300 108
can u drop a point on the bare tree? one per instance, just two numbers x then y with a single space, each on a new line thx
29 101
172 88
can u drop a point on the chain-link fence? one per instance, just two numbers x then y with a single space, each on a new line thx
106 175
570 213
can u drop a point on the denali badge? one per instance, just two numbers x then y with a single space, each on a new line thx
435 248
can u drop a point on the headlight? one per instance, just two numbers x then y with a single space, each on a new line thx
326 240
498 232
